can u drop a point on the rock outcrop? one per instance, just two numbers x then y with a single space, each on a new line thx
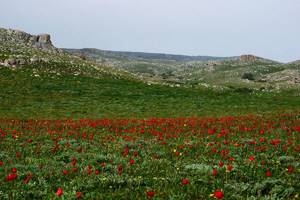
42 41
248 58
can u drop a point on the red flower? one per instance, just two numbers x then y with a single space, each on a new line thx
11 177
215 172
18 154
251 158
221 164
120 169
97 172
150 194
103 164
125 152
132 161
65 172
1 163
74 161
219 194
185 181
79 150
28 178
75 169
275 142
211 131
290 169
14 170
268 174
78 195
59 192
229 167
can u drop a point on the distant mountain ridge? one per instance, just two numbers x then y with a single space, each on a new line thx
144 55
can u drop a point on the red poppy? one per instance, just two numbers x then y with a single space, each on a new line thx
290 169
221 164
215 172
18 154
59 192
211 131
103 164
251 158
28 178
75 169
1 163
185 181
120 169
150 194
78 195
275 142
65 172
125 152
97 172
11 177
14 170
74 161
132 161
219 194
268 173
229 167
79 150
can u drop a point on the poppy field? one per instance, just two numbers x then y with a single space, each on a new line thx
245 157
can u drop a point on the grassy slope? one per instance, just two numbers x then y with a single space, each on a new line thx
228 71
51 89
52 96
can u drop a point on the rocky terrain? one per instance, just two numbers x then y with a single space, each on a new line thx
244 70
23 50
19 49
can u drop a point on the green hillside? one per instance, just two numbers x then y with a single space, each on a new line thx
49 83
201 70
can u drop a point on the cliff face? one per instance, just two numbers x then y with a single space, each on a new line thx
42 41
248 58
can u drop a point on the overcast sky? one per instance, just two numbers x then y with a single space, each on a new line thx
267 28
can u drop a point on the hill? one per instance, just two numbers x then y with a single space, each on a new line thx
245 70
41 81
92 52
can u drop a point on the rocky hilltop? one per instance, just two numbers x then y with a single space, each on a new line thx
41 41
19 48
248 58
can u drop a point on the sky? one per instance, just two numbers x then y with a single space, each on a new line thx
266 28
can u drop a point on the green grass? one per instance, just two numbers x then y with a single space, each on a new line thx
23 95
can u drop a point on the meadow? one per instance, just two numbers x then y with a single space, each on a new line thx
36 92
93 124
247 157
